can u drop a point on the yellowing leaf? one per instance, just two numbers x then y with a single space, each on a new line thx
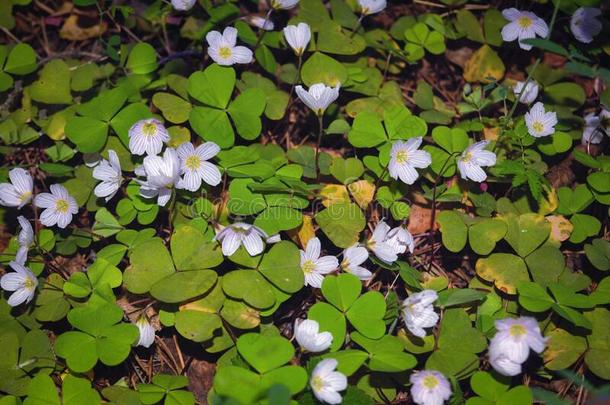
483 64
363 192
304 232
333 193
561 228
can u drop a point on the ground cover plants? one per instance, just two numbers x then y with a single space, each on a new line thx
314 201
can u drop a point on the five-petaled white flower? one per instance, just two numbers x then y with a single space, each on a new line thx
284 4
298 37
25 239
194 165
473 158
405 157
23 282
318 97
19 191
223 50
59 206
378 243
240 233
429 387
585 25
308 335
400 239
523 25
368 7
109 172
261 22
147 332
315 267
162 174
147 136
526 94
510 347
326 383
183 5
353 257
540 123
592 133
418 312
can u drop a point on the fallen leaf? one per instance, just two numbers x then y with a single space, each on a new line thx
483 64
72 31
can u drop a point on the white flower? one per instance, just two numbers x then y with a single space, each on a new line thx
109 172
162 174
527 95
405 158
593 132
147 136
23 282
353 257
540 123
274 239
318 97
418 312
298 37
261 22
429 387
308 335
378 243
25 239
183 5
472 159
523 25
194 165
368 7
400 239
147 332
284 4
59 206
240 233
585 25
222 49
326 382
503 365
315 267
511 345
19 191
92 159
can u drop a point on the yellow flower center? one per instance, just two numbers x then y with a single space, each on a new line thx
238 229
402 156
467 157
193 162
317 383
149 129
525 22
517 330
62 206
29 284
25 196
538 126
430 381
225 52
345 265
308 267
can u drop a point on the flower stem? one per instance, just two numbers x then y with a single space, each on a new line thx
260 38
357 27
297 79
320 132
